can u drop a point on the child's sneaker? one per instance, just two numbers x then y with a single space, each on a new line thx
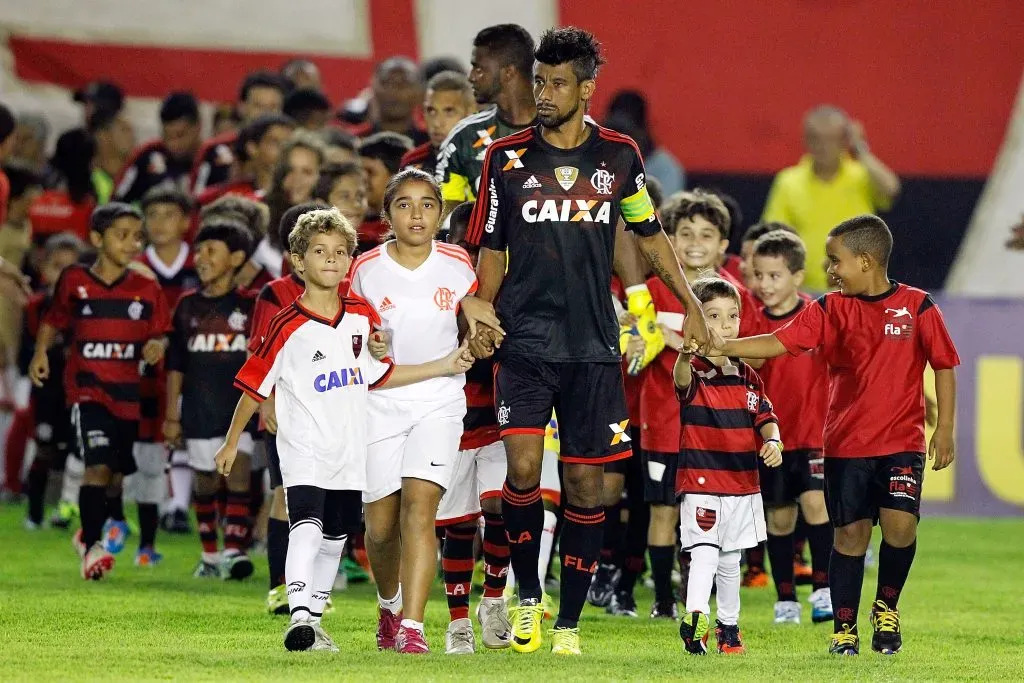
387 628
694 631
96 563
115 535
147 557
206 570
236 565
729 639
323 641
821 605
787 612
300 635
410 641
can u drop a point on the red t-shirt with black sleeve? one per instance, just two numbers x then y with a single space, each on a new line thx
876 349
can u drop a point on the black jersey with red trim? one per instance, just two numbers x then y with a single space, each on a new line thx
555 212
107 326
151 166
208 345
722 410
213 162
423 157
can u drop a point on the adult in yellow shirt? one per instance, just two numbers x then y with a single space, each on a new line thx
838 178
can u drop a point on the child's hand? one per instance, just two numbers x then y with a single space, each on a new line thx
627 319
269 414
478 312
771 453
941 450
673 339
153 351
378 344
459 360
225 458
172 433
39 369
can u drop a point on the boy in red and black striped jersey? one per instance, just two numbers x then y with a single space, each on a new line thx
800 389
208 345
114 320
724 414
876 336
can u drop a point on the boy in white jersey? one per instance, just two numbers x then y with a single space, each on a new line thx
314 355
415 284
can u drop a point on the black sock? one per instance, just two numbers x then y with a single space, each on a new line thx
780 554
579 546
819 538
755 557
277 550
893 569
255 493
38 475
612 534
523 511
149 520
846 577
115 507
662 557
634 544
92 507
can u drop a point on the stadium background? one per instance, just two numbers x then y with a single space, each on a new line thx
728 83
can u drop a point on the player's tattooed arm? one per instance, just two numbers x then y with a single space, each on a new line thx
941 449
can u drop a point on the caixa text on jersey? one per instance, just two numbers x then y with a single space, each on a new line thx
567 211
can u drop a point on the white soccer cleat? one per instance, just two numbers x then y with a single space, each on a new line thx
459 638
821 605
97 563
495 627
787 612
323 641
300 635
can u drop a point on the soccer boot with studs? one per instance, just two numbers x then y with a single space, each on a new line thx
729 639
602 586
387 628
693 629
787 612
495 627
565 641
846 642
821 605
526 618
410 641
277 600
300 635
886 638
459 639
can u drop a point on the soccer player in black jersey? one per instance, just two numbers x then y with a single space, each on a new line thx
551 198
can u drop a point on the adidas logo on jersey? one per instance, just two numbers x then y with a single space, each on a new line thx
532 183
317 357
567 211
385 305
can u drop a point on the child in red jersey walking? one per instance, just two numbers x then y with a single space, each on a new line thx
724 413
876 336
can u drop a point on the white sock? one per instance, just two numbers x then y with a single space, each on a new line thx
74 468
325 570
547 544
728 582
409 623
703 563
393 605
510 578
181 482
304 542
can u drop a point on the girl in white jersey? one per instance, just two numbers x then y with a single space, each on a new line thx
415 284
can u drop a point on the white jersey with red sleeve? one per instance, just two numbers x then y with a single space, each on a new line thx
418 309
321 371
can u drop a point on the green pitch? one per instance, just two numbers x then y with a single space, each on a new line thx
962 619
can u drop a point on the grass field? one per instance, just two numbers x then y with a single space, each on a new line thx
962 620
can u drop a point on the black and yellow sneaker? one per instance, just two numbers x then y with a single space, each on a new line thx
694 631
846 642
886 623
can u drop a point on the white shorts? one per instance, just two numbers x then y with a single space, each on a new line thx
422 443
478 473
550 483
201 452
724 522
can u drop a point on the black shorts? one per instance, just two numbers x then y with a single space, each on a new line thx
103 439
660 477
800 471
273 460
628 467
50 413
339 512
857 488
593 424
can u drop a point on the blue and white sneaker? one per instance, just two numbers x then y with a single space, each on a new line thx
147 557
114 536
821 605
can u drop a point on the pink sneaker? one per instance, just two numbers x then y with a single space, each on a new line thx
387 628
409 641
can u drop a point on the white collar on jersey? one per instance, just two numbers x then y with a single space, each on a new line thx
165 271
399 268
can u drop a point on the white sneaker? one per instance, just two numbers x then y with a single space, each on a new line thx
495 627
300 635
97 562
821 605
459 638
787 612
323 641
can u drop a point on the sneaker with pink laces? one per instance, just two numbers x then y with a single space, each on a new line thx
387 628
409 641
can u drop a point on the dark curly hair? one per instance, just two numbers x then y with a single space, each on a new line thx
697 202
571 44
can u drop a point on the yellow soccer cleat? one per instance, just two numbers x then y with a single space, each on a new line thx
565 641
526 620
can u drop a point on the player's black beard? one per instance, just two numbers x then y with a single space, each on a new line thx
555 120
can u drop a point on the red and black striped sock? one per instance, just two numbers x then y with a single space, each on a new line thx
496 557
580 546
523 512
237 526
457 566
206 518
